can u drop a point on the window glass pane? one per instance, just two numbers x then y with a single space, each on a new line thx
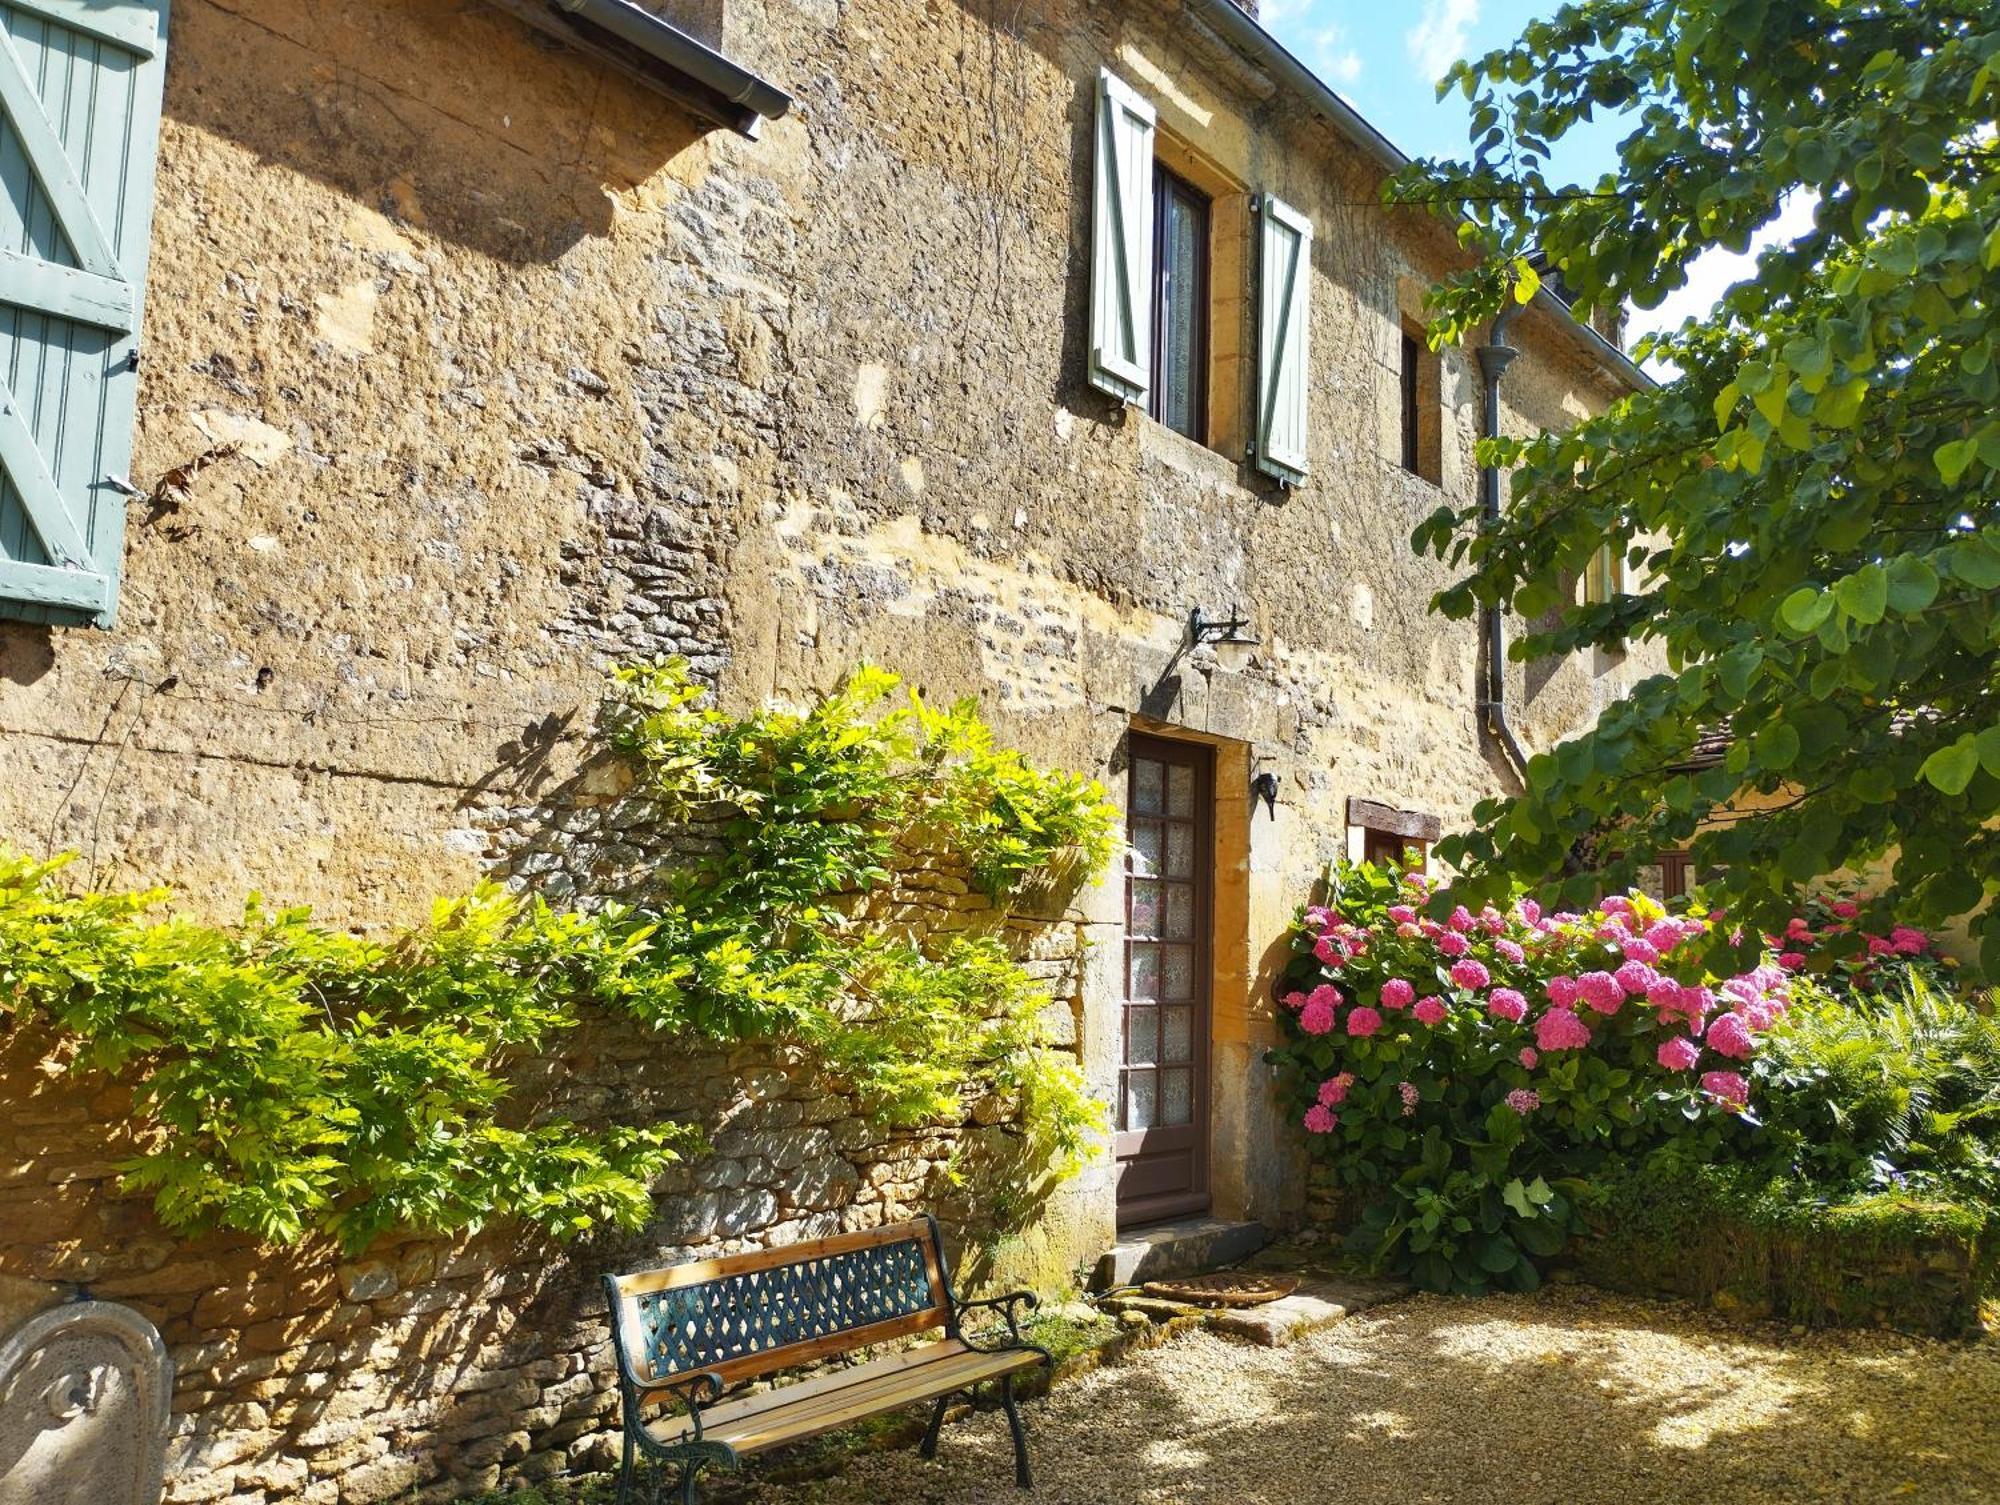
1180 851
1142 1037
1179 979
1177 1044
1145 978
1180 791
1146 847
1145 908
1180 303
1177 1097
1146 786
1141 1088
1180 912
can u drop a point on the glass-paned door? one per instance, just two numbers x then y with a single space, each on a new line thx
1162 1139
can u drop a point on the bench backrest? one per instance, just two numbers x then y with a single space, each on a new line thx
752 1314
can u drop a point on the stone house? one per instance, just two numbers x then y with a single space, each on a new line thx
1061 354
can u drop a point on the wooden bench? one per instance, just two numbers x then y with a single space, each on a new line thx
690 1332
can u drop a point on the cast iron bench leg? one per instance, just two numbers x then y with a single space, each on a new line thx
928 1447
1022 1476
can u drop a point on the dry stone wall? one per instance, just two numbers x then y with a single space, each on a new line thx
430 1364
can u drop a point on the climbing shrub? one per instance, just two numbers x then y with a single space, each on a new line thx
289 1078
1462 1074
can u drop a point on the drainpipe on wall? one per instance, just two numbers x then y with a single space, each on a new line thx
1494 358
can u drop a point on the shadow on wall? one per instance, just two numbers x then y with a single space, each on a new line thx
457 118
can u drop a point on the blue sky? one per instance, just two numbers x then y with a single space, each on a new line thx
1385 60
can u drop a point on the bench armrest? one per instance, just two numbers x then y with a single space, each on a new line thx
1005 1305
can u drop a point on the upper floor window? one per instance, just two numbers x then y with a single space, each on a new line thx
1605 577
1178 394
1422 426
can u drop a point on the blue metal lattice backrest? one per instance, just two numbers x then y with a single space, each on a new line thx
709 1323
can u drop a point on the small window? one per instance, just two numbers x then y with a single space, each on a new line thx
1387 849
1605 578
1421 416
1179 393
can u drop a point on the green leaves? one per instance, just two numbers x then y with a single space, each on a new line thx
1950 768
1818 484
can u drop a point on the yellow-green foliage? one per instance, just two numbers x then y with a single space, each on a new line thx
296 1078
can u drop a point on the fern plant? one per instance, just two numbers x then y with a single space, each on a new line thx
1903 1091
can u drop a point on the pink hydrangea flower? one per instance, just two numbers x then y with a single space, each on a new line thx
1430 1010
1616 904
1612 933
1492 921
1635 977
1524 1100
1564 992
1402 914
1679 1053
1847 909
1663 935
1397 993
1316 1018
1908 940
1363 1021
1470 974
1505 1003
1319 916
1639 949
1797 929
1560 1029
1326 993
1791 961
1408 1092
1664 994
1726 1086
1511 950
1529 911
1333 1091
1601 991
1461 919
1320 1119
1328 949
1409 930
1451 943
1294 1000
1530 1057
1730 1036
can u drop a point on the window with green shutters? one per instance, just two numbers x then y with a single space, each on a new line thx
80 84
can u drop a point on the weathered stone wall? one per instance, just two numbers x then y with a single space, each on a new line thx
308 1375
527 373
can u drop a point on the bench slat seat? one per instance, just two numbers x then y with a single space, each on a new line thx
794 1413
688 1332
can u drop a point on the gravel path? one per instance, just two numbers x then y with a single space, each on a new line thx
1568 1396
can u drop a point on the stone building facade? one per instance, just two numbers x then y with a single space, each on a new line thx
471 365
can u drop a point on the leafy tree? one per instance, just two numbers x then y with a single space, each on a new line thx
1808 508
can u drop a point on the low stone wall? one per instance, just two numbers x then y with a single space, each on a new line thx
431 1365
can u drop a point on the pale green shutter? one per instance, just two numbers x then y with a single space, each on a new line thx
80 95
1121 242
1284 313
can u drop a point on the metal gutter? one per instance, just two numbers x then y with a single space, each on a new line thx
661 56
1495 356
1243 32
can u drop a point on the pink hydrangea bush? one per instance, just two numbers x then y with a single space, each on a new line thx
1480 1061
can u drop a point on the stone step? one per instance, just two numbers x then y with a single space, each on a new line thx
1185 1246
1317 1303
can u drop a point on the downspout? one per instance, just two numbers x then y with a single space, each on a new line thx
1494 358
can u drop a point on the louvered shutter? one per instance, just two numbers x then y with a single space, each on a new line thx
1284 295
80 94
1121 242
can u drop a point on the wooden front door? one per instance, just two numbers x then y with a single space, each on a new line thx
1162 1140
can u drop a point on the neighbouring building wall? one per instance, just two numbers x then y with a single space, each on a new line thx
525 374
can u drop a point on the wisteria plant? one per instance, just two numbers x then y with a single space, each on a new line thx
1458 1073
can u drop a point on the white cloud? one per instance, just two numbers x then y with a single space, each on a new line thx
1438 39
1330 57
1715 271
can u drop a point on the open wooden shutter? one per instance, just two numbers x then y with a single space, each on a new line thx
1121 242
1284 275
80 99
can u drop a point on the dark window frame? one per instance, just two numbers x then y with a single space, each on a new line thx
1413 411
1169 189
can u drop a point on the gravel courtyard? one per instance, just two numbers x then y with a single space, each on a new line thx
1568 1396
